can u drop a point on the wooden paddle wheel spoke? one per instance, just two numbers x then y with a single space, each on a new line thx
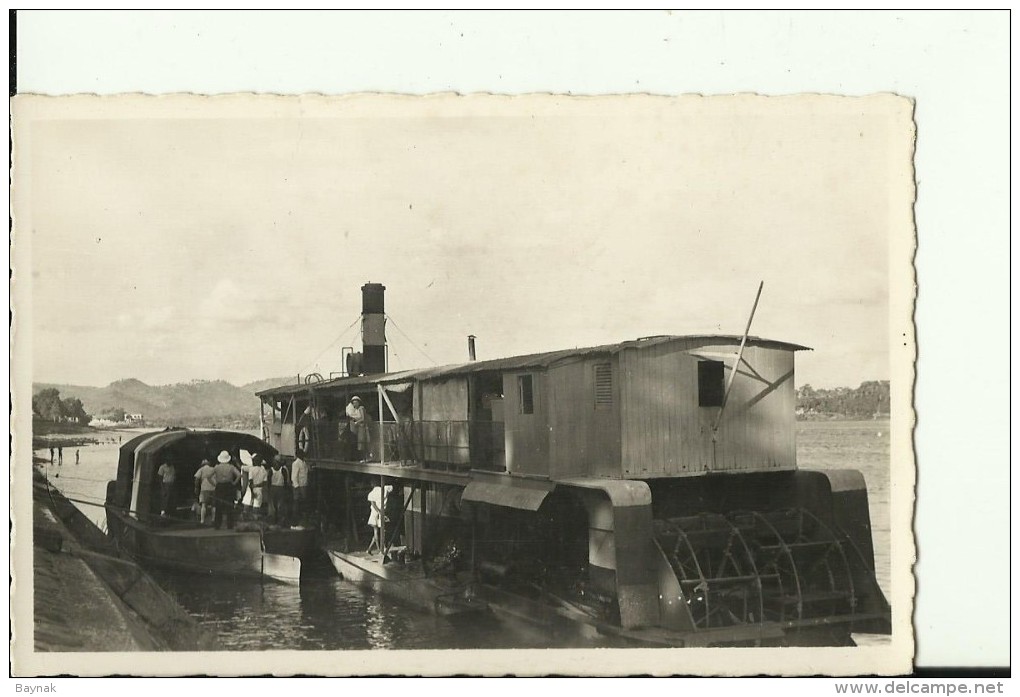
844 563
716 569
785 567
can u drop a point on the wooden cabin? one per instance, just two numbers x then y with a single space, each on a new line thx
585 468
644 409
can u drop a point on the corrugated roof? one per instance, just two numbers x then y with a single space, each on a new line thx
532 360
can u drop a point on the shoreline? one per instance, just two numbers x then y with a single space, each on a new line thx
87 597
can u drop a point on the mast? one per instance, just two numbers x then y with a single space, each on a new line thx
733 373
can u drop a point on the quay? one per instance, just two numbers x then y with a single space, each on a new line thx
87 597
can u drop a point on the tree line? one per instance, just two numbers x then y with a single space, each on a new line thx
866 401
48 406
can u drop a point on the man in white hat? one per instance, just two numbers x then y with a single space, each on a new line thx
359 424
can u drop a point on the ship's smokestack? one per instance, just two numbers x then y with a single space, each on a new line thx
471 347
373 328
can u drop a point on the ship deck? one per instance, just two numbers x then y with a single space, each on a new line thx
398 470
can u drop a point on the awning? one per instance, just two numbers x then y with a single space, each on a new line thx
512 492
727 357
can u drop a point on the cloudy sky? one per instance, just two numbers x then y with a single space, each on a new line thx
171 240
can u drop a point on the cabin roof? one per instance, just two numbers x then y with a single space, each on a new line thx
531 360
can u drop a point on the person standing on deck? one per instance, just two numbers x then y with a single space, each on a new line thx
226 476
51 455
60 454
77 456
299 479
376 515
279 481
258 482
167 474
205 488
359 424
246 486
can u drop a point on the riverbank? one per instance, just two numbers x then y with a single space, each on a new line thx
46 434
88 598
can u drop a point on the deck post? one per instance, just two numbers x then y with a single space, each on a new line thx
352 522
382 420
382 517
313 425
397 523
423 497
474 536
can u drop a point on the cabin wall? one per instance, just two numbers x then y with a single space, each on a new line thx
288 440
446 403
445 400
584 436
526 435
666 433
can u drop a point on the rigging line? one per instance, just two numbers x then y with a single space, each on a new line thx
330 345
431 360
95 501
398 358
57 474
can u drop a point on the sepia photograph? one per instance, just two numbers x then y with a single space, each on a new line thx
460 375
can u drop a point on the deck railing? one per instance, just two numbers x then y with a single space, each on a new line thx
447 444
453 444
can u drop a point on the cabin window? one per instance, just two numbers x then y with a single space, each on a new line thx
527 394
603 386
710 383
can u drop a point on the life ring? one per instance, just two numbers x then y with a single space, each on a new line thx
304 439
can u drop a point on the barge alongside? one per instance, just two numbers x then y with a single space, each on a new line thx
177 541
647 488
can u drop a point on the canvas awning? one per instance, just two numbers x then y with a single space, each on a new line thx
512 492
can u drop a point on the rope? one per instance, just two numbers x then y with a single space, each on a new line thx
404 334
60 476
333 342
95 503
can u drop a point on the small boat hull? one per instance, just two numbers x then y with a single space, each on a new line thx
404 582
208 551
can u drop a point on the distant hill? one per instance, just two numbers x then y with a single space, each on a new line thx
266 384
210 403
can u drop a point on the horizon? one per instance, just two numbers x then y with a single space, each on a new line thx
282 377
184 239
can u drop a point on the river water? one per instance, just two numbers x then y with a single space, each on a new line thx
329 613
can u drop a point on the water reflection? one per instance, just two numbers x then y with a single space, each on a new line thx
376 625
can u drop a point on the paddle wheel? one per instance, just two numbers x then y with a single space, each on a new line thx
785 568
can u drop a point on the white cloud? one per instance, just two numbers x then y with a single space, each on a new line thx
227 303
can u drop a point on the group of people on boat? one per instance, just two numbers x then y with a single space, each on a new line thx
264 490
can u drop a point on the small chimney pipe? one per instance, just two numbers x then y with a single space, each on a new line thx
471 346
